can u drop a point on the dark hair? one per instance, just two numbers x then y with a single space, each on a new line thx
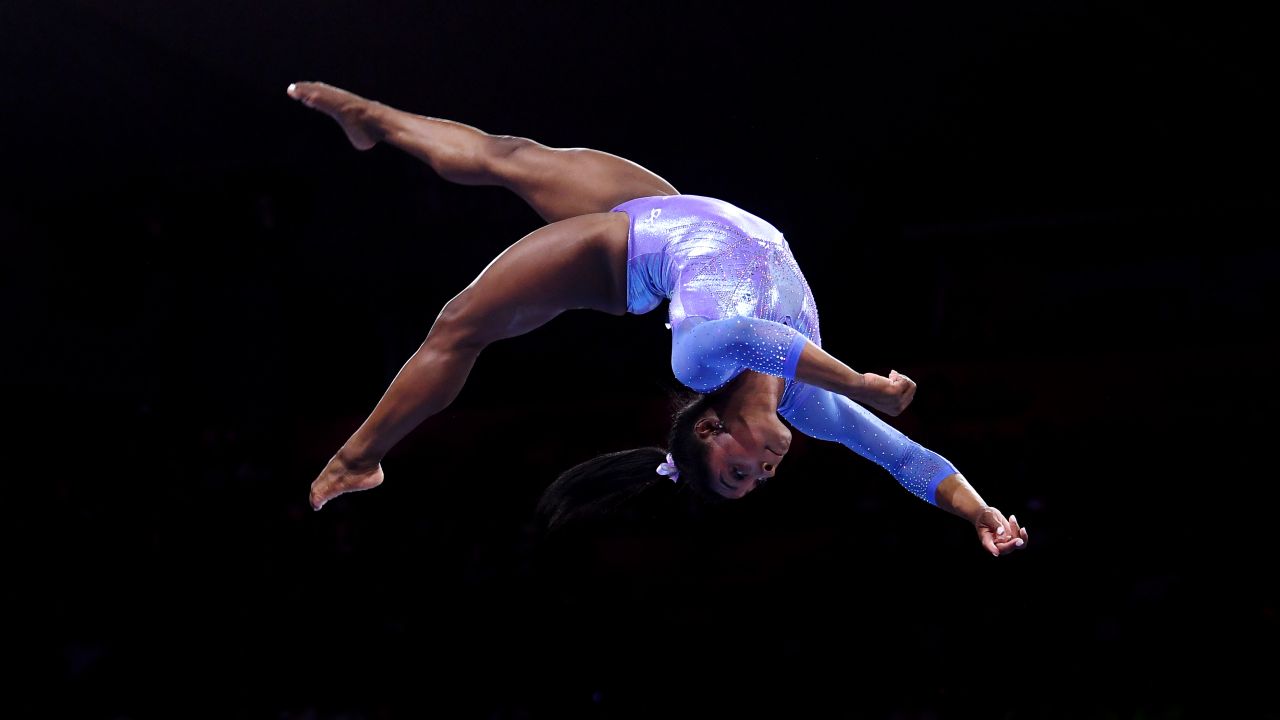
599 488
690 453
624 487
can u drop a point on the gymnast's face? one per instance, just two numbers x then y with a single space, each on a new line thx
742 454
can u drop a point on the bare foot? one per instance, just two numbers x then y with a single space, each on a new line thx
338 478
351 111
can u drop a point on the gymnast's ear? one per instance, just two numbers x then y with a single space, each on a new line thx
708 425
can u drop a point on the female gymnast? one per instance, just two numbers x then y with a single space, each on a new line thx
621 239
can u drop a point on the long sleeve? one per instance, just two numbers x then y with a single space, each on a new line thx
830 416
706 354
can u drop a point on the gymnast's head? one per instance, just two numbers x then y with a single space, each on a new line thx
711 457
725 455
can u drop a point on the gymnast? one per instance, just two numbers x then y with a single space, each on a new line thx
620 239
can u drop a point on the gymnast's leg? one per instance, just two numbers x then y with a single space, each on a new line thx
557 182
523 288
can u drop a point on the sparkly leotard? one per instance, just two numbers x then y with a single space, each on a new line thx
738 301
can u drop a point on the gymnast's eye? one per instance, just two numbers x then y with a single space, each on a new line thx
739 474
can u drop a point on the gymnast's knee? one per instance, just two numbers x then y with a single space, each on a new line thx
461 326
502 152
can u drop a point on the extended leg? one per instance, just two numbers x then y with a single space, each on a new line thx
557 182
573 263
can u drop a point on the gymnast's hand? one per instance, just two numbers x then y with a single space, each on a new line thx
890 395
343 476
998 535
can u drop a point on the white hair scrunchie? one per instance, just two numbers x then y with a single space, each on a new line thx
669 469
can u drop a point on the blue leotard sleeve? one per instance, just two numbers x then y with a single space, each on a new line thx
830 416
706 354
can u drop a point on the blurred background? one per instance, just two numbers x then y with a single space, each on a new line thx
1058 218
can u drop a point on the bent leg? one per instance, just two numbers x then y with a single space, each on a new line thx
571 264
558 183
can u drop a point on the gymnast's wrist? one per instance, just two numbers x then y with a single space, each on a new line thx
859 387
955 495
974 515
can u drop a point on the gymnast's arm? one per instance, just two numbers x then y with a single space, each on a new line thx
827 415
706 354
890 395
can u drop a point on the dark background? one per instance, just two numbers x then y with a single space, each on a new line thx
1056 217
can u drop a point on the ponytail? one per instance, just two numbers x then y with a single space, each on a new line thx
602 488
625 486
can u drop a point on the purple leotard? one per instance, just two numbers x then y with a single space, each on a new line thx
738 301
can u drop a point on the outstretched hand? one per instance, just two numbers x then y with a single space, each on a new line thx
340 477
890 395
998 535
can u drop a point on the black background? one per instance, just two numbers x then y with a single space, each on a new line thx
1055 217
